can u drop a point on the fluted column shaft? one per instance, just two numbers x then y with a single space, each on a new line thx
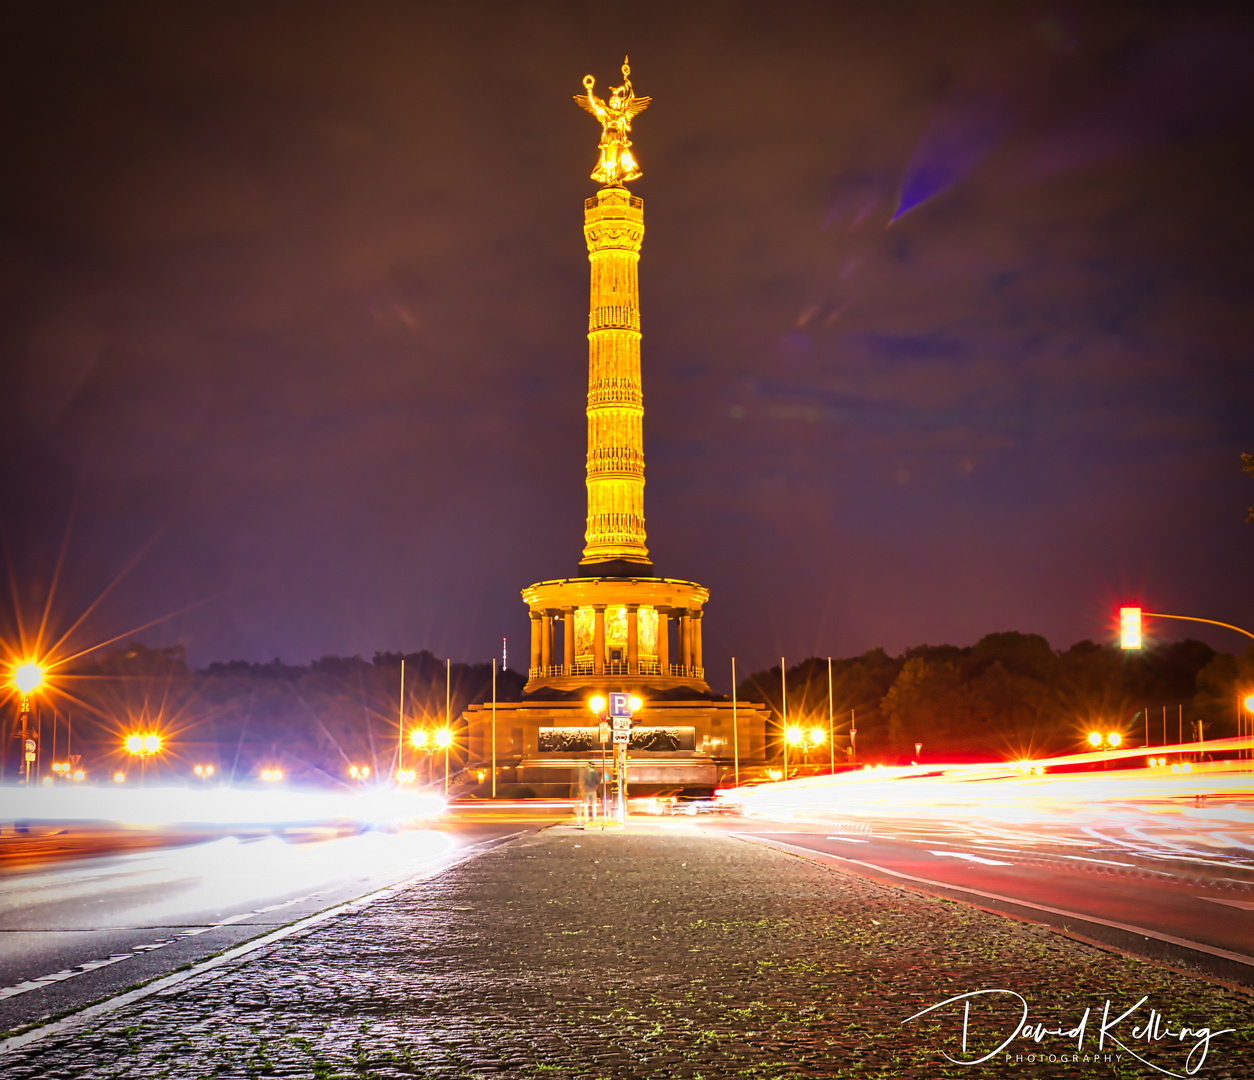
614 230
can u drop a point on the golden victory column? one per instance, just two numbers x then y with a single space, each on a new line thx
616 619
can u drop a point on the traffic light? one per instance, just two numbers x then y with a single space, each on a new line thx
1130 628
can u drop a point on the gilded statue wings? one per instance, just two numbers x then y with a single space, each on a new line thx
637 105
591 103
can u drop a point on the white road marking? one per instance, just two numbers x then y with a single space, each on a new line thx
972 858
157 986
137 950
1106 862
847 839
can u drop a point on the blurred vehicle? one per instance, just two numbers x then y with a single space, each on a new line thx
692 805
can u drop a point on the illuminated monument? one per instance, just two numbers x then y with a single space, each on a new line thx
616 626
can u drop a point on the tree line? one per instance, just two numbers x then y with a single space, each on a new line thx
1006 696
1010 695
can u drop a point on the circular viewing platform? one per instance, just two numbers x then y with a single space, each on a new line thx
616 633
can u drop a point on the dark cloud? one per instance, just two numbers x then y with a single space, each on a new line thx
300 290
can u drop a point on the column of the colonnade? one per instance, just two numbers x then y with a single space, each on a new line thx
598 639
698 662
546 641
568 640
663 641
535 640
633 639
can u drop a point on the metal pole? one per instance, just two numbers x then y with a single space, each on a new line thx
1180 733
25 714
783 682
494 727
735 727
853 737
621 754
1147 725
831 717
400 727
448 715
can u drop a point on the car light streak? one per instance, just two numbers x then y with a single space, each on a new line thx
272 807
1204 816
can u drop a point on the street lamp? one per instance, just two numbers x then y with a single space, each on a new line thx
1109 741
444 739
27 678
419 739
792 737
143 746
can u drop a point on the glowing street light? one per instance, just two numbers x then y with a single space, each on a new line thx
1104 742
271 776
359 772
143 745
806 739
204 771
28 677
444 739
418 739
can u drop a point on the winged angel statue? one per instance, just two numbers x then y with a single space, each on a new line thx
617 165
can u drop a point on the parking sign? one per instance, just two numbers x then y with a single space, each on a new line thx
620 705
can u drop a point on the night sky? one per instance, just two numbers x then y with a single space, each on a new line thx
947 317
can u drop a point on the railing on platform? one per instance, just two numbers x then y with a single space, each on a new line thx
584 666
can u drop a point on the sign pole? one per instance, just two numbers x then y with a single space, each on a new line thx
735 726
494 727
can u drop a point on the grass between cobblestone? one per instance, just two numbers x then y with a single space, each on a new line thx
622 955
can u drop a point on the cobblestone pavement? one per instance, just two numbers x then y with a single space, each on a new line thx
652 954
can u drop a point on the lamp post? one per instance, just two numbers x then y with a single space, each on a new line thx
1109 741
793 736
143 746
28 678
597 706
418 739
1249 721
444 738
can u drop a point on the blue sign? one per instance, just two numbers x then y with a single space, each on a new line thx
620 705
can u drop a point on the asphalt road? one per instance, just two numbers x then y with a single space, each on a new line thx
84 928
1167 890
